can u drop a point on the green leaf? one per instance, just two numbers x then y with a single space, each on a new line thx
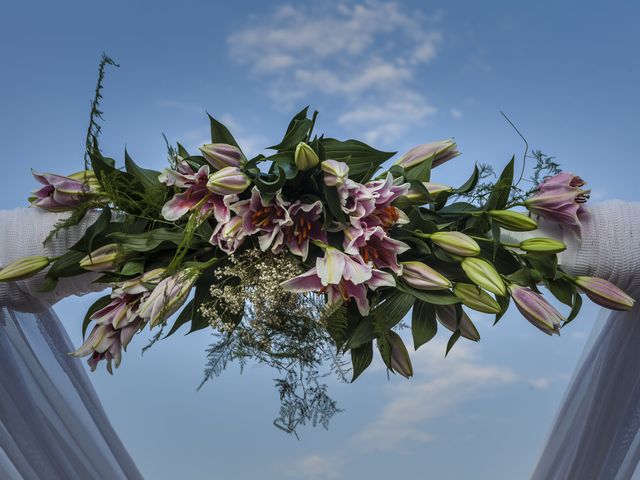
438 298
148 178
420 172
270 183
182 151
363 160
363 333
577 305
423 323
68 265
185 316
457 207
85 244
361 358
220 133
391 311
384 347
452 341
97 305
301 115
546 264
201 296
562 289
134 267
147 241
296 134
337 322
470 184
500 193
504 302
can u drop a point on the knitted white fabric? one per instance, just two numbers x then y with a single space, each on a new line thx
22 233
608 247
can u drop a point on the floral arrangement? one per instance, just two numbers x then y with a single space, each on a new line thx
312 245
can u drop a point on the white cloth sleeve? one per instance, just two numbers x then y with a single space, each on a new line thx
22 233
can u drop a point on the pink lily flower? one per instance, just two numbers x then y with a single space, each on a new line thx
118 321
560 199
265 217
384 191
196 196
374 245
106 343
356 201
306 226
229 236
343 290
59 194
341 277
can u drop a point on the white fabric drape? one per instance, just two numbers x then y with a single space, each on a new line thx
596 433
52 425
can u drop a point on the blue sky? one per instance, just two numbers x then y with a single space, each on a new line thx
393 73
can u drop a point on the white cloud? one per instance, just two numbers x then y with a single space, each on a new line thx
456 114
441 385
315 466
542 383
366 54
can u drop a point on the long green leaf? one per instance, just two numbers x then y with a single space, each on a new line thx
148 178
220 133
500 194
361 358
185 316
391 311
423 323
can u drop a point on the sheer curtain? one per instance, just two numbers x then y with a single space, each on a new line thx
52 425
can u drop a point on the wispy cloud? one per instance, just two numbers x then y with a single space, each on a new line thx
315 466
365 54
442 384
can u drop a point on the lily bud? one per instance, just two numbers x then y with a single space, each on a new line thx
542 245
23 268
168 296
483 274
440 152
140 284
400 361
514 221
335 173
305 157
476 298
103 258
433 188
221 155
58 193
604 293
536 309
228 181
423 277
457 243
446 315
